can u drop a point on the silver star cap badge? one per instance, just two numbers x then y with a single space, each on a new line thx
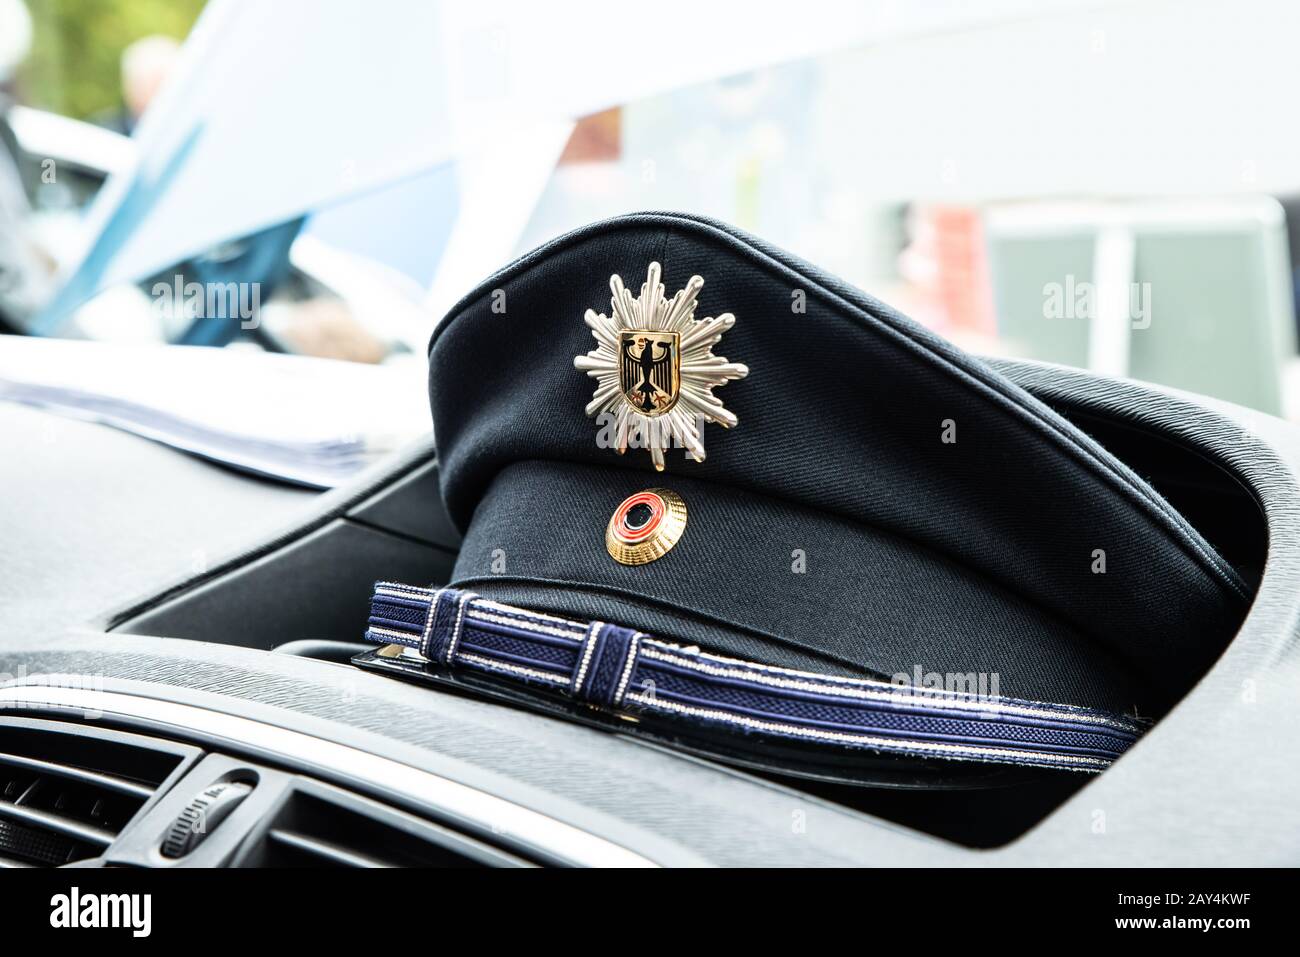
655 370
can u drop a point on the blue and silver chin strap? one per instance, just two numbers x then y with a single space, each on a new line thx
628 672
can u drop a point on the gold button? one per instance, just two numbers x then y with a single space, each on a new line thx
645 526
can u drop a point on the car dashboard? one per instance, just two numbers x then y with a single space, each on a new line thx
175 642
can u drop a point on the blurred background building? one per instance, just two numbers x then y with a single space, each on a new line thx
1108 185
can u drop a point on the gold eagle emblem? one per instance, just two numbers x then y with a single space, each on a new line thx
655 370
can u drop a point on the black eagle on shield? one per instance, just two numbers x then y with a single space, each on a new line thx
649 370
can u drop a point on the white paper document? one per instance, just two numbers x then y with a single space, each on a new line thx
313 422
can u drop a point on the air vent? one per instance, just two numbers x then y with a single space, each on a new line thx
67 790
321 826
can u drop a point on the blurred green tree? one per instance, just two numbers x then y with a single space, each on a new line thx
75 64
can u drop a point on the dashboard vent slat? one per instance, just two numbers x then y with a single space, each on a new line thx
58 824
23 846
106 781
318 825
67 791
329 854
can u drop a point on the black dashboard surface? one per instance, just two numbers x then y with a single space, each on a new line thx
1208 785
91 514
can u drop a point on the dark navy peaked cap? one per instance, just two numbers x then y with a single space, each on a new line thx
832 530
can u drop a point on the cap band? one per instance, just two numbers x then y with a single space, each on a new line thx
630 672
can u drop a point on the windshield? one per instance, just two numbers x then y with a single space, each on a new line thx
1039 181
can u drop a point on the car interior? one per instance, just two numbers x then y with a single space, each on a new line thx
240 552
229 689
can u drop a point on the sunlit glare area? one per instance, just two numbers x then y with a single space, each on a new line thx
1051 181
